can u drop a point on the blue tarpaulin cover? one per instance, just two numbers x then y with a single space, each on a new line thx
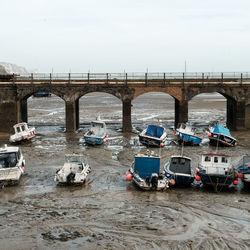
154 131
146 166
222 130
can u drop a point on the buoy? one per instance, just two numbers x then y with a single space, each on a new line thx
175 132
129 177
162 144
171 182
90 171
209 134
235 182
104 140
197 177
240 175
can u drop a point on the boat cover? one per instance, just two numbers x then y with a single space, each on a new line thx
222 130
155 131
146 166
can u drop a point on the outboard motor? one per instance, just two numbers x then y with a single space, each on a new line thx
71 177
154 180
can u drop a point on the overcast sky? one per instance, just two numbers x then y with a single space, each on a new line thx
126 35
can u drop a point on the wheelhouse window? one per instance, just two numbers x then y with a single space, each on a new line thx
18 129
8 160
208 158
216 159
224 159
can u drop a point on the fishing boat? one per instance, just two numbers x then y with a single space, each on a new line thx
187 134
11 165
244 169
220 136
180 168
145 173
74 171
153 136
216 170
22 133
97 133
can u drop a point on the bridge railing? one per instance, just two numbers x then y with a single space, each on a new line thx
130 76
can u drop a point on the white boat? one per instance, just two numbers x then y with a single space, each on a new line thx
11 165
97 133
74 170
216 169
22 132
145 173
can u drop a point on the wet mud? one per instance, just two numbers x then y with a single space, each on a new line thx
108 212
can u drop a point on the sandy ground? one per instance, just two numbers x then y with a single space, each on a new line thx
108 212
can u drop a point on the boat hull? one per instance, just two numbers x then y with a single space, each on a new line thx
188 139
150 141
221 140
162 185
183 180
94 140
216 180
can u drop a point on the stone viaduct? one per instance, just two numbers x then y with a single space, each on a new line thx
15 90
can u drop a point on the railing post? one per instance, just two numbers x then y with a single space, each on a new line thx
221 78
241 76
13 78
32 78
69 78
146 79
50 77
183 78
202 78
126 78
107 78
164 78
88 78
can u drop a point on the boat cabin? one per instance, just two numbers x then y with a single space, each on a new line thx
97 128
145 166
185 128
154 131
213 163
180 164
20 127
9 157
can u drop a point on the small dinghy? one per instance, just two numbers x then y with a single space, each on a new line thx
153 136
221 136
22 133
145 173
179 166
244 169
97 133
74 171
216 170
11 165
187 134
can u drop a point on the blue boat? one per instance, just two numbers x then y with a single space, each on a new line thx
221 136
244 169
42 94
145 173
187 134
97 133
216 170
180 168
153 136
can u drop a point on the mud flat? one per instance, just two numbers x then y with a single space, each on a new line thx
108 212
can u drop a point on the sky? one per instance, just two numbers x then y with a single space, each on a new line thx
126 35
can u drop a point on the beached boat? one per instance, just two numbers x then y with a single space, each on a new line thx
22 132
42 94
216 170
97 133
180 168
74 171
244 169
145 173
220 136
153 136
187 134
11 165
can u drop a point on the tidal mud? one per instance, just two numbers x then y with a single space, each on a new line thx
108 212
